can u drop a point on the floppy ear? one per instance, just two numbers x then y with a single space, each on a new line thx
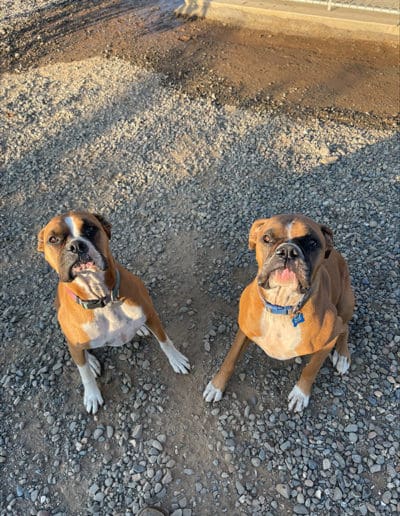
40 241
253 235
106 225
328 234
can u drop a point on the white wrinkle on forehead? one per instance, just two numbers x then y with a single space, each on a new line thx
71 223
289 228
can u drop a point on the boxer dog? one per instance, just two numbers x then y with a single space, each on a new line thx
300 302
99 303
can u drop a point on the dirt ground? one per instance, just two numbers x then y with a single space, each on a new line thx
340 79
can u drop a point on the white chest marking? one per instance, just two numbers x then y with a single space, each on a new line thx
279 338
114 325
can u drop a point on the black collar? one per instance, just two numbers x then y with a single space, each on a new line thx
91 304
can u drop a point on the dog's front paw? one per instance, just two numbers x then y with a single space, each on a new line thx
297 399
92 398
94 364
179 363
211 393
340 362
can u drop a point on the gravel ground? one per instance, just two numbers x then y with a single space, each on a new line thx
181 180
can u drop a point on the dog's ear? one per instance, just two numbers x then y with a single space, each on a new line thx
40 241
254 230
328 235
106 225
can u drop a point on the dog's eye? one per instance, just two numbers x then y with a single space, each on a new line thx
267 239
54 239
313 243
90 231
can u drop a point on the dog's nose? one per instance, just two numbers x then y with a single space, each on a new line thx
78 247
288 251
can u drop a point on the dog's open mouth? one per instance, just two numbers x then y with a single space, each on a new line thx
83 265
284 276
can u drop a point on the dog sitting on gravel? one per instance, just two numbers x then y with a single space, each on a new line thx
300 302
99 303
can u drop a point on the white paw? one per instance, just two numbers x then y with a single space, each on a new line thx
297 399
341 362
143 331
179 363
92 398
211 393
94 364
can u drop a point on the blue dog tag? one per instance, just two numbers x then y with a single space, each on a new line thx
297 319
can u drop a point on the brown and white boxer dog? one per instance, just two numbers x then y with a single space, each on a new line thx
300 302
99 303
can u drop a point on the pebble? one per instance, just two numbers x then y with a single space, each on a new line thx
239 487
326 464
337 494
167 478
283 490
137 432
97 433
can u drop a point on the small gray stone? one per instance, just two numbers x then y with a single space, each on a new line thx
337 494
137 432
326 464
93 489
182 502
157 445
285 446
283 490
353 438
239 487
97 433
99 497
178 512
167 478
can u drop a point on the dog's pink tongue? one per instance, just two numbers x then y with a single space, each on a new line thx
285 275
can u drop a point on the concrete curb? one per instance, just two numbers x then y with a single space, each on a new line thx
294 18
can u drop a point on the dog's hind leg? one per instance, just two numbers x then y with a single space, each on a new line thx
341 354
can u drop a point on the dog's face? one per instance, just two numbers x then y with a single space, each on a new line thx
75 243
289 250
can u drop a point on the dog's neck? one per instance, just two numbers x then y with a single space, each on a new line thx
282 295
93 284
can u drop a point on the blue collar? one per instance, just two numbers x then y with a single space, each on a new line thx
277 309
287 310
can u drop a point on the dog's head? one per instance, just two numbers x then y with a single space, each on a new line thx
75 243
289 250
